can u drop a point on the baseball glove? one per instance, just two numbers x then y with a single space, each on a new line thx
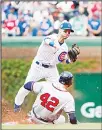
74 52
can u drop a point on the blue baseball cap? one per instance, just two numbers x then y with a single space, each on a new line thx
66 25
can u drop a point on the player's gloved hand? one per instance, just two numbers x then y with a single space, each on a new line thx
73 53
17 108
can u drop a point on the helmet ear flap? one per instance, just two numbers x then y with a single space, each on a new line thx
61 80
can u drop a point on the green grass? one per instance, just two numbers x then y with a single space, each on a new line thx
79 65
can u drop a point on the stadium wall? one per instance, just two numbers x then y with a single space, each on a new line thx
36 41
87 87
26 47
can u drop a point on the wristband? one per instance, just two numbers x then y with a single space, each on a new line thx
68 61
51 43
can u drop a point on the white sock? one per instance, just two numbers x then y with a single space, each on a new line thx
22 93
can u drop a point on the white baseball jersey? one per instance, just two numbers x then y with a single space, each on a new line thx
50 55
51 100
47 55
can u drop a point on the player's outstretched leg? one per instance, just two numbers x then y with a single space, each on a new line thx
22 93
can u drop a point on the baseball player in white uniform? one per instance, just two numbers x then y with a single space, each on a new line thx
53 50
51 100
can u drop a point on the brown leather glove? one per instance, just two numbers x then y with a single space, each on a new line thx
73 53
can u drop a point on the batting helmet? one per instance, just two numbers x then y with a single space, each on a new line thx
65 77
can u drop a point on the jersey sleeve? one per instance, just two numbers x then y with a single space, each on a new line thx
70 106
49 41
37 87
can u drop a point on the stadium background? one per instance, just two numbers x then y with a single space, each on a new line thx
24 24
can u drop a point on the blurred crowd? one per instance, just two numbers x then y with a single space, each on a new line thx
42 18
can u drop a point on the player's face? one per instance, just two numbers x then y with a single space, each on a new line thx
65 33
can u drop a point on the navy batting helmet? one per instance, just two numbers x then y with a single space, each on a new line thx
65 78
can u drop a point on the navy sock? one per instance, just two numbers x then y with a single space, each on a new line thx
29 86
16 106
